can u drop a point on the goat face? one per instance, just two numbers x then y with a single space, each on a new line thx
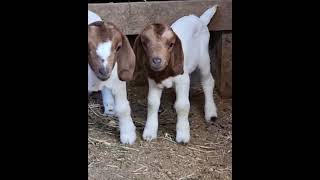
106 46
161 48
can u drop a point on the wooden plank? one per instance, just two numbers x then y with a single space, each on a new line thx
223 63
132 17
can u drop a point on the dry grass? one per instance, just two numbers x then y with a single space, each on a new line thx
207 156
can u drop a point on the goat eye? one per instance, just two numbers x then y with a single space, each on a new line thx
118 48
171 45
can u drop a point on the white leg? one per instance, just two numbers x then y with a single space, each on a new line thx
108 101
182 106
154 96
207 82
123 112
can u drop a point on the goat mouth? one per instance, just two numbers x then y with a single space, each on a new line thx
156 69
102 77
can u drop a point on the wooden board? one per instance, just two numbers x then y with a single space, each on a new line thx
132 17
222 66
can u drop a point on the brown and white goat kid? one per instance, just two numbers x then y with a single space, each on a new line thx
170 54
111 62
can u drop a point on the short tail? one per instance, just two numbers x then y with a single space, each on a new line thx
208 14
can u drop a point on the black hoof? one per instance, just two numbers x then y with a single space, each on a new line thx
213 119
183 143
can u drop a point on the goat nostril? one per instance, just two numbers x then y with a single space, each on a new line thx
156 61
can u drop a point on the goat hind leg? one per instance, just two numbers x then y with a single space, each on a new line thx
108 101
207 82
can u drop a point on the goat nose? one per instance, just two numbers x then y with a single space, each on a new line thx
156 61
103 71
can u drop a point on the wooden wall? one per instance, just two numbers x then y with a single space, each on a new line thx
132 17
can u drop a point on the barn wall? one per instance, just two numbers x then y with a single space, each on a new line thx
138 13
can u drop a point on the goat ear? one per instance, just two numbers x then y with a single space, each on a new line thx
177 58
140 55
126 60
90 62
88 51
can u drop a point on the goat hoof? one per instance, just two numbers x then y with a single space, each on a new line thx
182 137
213 119
128 133
147 136
128 138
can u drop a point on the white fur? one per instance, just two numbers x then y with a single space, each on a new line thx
104 51
93 17
194 36
108 101
114 93
154 96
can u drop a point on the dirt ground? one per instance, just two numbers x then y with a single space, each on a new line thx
207 156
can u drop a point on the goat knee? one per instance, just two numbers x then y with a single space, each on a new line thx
182 107
153 103
122 109
207 81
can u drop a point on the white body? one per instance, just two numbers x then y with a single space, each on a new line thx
114 93
194 36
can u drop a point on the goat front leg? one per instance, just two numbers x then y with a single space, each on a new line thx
154 96
123 112
108 101
182 106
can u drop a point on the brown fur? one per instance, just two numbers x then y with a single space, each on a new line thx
121 51
154 41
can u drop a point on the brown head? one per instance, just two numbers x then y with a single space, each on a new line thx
107 46
160 50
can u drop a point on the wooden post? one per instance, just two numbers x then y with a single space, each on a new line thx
222 66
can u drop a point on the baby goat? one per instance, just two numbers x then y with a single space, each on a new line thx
111 62
170 54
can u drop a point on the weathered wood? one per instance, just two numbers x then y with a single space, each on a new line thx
132 17
223 63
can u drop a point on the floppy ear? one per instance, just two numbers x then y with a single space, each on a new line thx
177 58
140 56
126 60
88 51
